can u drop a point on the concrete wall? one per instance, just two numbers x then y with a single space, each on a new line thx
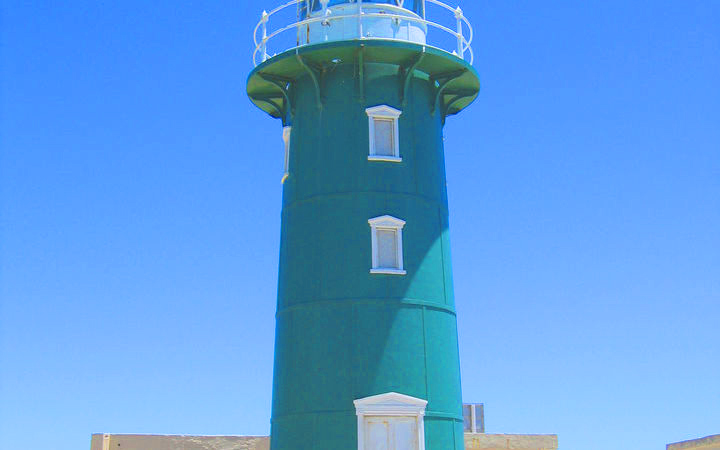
510 441
151 442
706 443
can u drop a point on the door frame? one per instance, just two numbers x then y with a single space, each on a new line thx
391 404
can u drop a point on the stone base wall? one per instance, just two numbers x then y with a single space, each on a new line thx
510 441
706 443
156 442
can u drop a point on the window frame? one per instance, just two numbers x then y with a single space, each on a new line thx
387 223
286 161
384 112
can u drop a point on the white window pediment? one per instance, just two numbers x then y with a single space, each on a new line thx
383 111
387 221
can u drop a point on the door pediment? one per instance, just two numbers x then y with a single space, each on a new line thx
391 403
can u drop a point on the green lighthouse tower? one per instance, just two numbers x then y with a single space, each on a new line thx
366 351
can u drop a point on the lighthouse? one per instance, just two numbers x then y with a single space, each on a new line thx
366 349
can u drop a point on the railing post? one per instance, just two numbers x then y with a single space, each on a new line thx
460 39
359 14
325 22
263 44
299 19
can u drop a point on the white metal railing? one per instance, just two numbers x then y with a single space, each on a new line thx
362 14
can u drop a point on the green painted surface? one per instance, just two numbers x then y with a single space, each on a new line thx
344 333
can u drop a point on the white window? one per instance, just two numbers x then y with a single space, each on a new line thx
390 421
386 241
384 135
286 162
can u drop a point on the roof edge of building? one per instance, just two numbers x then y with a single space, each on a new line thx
693 443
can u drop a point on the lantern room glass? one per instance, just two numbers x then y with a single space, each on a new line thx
416 6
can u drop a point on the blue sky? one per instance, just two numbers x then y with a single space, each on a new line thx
140 205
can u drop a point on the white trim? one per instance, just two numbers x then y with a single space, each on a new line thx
391 404
384 112
286 162
473 428
387 223
384 158
389 271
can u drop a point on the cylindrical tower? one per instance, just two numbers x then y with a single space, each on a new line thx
366 352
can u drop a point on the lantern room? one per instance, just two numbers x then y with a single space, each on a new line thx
383 19
430 22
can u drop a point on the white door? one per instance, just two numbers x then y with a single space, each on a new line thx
391 433
377 433
403 431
